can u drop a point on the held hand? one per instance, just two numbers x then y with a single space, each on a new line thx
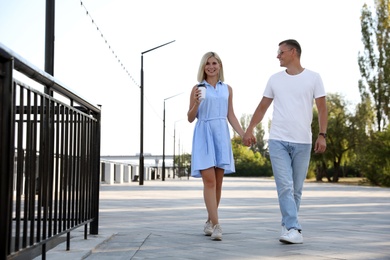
248 139
320 145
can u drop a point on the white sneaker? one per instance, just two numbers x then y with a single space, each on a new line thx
292 236
284 231
208 228
217 233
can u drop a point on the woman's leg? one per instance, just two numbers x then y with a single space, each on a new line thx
219 173
209 178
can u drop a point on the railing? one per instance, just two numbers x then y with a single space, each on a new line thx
49 161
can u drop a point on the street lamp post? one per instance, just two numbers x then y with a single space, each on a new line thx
163 162
174 148
174 143
179 157
141 150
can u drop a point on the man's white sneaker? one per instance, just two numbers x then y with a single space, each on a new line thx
217 233
292 236
208 228
284 231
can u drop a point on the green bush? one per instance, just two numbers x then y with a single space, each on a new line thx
374 159
253 170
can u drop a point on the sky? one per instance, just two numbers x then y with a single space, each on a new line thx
245 34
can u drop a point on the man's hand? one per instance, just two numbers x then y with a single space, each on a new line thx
320 145
248 139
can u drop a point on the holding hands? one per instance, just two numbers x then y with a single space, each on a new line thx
249 138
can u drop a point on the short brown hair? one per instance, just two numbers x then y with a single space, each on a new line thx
293 44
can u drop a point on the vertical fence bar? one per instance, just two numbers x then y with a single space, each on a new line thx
50 172
77 169
33 185
19 166
6 154
62 170
27 170
66 170
88 169
83 173
74 169
44 154
41 167
70 170
57 167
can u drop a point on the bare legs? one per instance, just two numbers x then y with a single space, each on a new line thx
212 190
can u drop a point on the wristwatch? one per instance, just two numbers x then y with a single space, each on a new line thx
323 134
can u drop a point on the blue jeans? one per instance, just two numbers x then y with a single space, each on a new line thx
290 162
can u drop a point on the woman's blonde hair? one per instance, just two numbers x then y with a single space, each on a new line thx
202 74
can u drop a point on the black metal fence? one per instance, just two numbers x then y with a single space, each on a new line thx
49 161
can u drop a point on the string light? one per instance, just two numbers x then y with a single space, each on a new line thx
109 46
116 57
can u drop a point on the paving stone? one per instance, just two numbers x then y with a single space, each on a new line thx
164 220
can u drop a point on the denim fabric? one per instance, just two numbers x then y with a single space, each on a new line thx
290 162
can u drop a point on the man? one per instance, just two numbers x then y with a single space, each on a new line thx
290 140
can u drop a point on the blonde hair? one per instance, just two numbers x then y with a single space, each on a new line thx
202 74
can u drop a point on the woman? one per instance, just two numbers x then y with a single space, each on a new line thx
212 154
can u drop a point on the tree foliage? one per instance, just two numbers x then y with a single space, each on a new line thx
247 162
183 164
339 141
374 61
373 158
353 147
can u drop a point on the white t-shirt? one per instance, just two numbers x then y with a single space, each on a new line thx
293 97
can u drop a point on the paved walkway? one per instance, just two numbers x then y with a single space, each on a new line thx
164 220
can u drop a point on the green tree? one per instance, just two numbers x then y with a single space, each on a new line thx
374 158
374 62
183 162
247 162
372 149
340 137
363 120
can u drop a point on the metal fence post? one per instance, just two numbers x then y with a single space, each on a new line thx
6 153
94 226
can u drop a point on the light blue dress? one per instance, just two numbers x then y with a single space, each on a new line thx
211 145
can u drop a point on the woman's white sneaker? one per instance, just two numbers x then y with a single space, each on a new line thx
208 228
217 233
292 236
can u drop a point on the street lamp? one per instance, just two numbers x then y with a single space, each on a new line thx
174 144
163 162
141 150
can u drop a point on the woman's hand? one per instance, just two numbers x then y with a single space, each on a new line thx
197 94
194 104
248 138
